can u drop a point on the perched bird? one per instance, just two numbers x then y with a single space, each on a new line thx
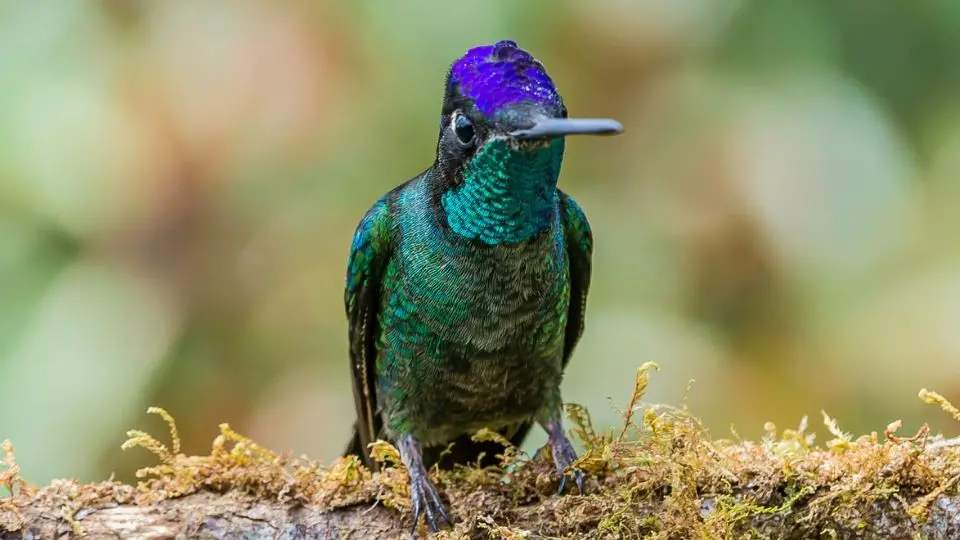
466 285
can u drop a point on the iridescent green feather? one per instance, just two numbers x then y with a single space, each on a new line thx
506 195
579 244
424 306
373 242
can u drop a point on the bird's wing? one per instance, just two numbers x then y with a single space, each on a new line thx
579 241
371 250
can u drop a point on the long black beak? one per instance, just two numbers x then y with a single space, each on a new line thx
543 128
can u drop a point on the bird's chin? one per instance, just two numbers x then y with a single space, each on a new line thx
529 145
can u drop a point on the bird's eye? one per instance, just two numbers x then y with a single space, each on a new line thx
463 128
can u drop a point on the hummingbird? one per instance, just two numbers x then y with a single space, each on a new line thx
466 286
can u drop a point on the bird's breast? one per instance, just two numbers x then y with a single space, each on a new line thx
482 334
471 334
488 297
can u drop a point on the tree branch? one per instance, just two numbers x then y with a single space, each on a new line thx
233 515
207 515
661 476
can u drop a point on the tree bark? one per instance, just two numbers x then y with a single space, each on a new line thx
208 515
232 515
672 481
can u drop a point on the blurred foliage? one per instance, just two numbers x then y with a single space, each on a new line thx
179 182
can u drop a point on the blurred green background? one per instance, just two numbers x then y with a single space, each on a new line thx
179 183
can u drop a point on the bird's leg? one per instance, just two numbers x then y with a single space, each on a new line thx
563 453
423 493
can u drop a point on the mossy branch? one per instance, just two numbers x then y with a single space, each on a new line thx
657 476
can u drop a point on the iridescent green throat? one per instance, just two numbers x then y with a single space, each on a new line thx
508 194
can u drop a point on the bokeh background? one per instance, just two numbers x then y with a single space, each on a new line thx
179 182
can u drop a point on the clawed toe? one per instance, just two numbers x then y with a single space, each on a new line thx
423 494
426 502
577 479
563 457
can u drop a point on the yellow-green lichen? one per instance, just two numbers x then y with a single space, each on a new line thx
658 475
11 484
68 497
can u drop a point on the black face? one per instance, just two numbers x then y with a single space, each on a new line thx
462 130
460 136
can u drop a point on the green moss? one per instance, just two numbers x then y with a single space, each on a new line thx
11 483
66 495
659 475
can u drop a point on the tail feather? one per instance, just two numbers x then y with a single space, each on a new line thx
355 448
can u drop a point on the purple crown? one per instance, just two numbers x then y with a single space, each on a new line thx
502 74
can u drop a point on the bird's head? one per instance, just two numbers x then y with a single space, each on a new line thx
503 122
501 96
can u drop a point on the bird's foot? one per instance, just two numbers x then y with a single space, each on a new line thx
563 456
423 494
426 501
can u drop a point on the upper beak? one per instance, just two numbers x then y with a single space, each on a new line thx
546 127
